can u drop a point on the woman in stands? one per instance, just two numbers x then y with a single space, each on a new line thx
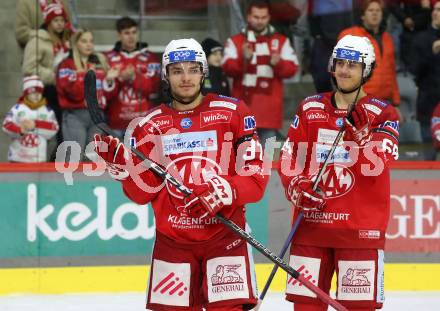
45 50
77 125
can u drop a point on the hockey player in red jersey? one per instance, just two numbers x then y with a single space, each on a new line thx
345 219
209 143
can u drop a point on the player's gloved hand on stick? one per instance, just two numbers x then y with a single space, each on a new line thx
209 197
300 192
357 126
114 153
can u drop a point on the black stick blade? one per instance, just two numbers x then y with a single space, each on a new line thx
91 99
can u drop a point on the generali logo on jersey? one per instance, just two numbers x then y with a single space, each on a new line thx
215 117
316 116
227 279
356 281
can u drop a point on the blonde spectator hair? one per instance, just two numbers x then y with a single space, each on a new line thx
95 58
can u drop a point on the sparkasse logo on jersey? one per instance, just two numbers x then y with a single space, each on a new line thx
214 117
189 142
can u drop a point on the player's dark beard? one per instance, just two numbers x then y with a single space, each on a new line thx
188 101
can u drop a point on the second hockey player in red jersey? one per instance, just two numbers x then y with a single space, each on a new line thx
345 219
209 143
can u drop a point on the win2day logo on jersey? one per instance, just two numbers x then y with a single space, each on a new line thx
189 142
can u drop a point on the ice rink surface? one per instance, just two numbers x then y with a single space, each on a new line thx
396 301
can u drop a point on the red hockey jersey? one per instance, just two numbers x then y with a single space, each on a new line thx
70 85
217 137
356 181
132 99
435 127
257 82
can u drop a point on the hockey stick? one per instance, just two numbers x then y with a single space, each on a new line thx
298 219
98 120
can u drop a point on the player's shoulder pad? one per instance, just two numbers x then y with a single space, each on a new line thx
224 102
376 106
314 101
154 112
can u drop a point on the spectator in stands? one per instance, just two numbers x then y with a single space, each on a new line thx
383 83
414 16
44 51
425 66
30 123
435 129
216 82
29 18
326 20
258 59
138 79
77 124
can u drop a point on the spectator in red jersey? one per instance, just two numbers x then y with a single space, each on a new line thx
258 59
435 129
47 47
346 216
383 83
30 123
77 125
138 78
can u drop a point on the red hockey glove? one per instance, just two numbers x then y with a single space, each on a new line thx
209 197
300 192
114 153
357 126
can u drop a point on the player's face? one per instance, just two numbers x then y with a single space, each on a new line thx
34 97
185 78
348 74
215 58
85 44
373 15
258 19
129 38
57 24
436 15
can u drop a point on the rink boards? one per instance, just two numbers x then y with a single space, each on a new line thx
398 277
77 232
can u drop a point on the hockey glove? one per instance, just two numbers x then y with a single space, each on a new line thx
114 153
210 197
357 126
300 192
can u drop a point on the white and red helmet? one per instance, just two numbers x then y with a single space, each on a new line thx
183 50
355 49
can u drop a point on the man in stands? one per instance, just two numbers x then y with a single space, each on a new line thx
137 82
258 59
